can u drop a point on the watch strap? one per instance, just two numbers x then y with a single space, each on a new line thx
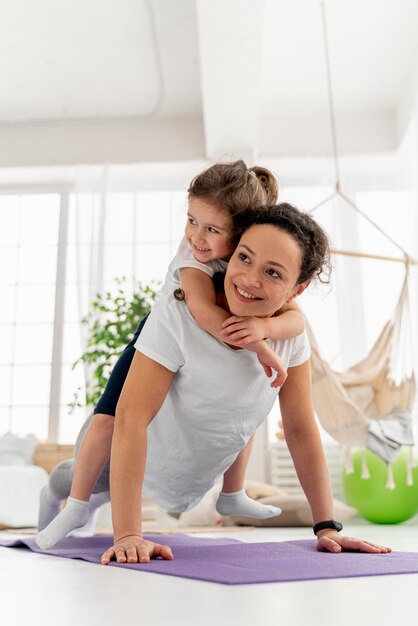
331 524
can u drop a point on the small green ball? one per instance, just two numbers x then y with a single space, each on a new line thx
371 498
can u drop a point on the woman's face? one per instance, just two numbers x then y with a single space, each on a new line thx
262 273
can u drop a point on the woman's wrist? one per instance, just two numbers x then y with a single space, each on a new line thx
326 531
326 527
117 538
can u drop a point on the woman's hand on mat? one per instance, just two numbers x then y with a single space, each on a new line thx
135 549
331 541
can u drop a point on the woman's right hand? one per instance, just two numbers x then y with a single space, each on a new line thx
135 549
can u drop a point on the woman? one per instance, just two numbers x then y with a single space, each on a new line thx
190 404
216 199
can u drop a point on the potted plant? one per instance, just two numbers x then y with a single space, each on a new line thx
110 325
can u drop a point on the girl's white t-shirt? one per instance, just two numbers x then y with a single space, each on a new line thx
184 258
217 400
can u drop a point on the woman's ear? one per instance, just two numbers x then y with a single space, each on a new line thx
298 290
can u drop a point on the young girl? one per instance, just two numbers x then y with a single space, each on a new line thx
217 198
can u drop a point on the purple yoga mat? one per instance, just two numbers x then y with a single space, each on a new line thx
231 562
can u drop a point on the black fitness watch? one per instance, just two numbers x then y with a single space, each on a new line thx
331 523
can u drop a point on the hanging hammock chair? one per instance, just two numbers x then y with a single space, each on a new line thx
370 404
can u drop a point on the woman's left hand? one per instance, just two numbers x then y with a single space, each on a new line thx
331 541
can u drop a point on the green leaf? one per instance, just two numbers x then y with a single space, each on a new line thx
110 323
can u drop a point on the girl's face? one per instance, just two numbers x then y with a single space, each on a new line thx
208 231
263 272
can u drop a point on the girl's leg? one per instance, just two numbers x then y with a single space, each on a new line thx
235 475
53 494
94 439
92 453
233 500
93 448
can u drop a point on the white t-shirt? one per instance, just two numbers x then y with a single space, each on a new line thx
217 400
184 258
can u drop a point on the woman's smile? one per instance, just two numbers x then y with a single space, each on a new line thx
243 295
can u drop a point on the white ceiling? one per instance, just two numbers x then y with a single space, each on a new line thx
134 80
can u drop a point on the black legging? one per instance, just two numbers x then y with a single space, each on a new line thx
108 401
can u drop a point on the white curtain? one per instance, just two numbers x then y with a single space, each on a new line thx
89 212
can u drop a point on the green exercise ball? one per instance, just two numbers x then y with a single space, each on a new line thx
370 496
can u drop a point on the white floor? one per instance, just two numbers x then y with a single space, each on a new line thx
48 591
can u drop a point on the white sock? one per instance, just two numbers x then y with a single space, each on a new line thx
74 515
88 529
238 503
49 507
96 501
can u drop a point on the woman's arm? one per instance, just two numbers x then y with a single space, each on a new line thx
303 440
143 393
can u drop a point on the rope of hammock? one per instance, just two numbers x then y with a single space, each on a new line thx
407 259
378 257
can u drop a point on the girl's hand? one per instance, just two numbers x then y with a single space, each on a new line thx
331 541
244 330
135 549
271 361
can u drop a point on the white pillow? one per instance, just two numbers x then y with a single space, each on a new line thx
20 490
17 450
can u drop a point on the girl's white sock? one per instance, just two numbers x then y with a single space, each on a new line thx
95 502
238 503
74 515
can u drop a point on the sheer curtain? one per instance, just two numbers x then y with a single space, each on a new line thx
84 279
118 228
408 178
89 213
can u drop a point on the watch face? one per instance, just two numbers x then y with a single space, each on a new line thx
338 526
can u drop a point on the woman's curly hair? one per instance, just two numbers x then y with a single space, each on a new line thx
311 238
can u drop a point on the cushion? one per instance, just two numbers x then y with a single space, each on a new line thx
295 512
17 450
205 513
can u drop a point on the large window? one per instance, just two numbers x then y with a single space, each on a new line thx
57 251
29 227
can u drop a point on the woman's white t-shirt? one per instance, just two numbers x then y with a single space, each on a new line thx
217 400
